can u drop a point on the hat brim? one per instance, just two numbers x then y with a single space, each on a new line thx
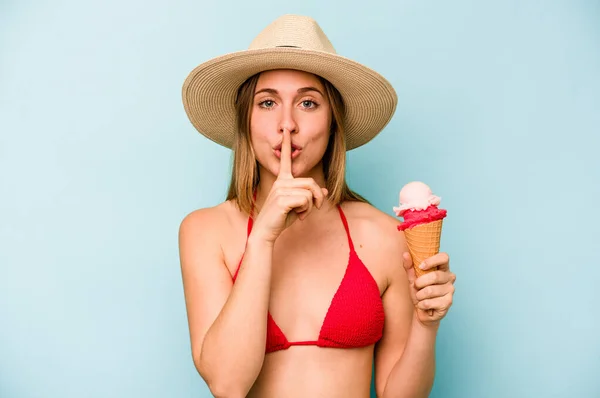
210 89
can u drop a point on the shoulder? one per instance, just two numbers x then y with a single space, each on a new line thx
376 237
209 223
371 225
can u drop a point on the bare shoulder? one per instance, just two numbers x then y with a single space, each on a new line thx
210 227
372 226
211 221
218 230
376 237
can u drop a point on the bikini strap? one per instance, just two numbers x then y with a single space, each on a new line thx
249 227
248 230
345 222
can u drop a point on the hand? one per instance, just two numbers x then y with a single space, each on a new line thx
289 199
431 293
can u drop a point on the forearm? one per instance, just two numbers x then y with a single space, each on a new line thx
413 374
234 347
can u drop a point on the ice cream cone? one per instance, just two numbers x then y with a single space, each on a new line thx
423 241
422 225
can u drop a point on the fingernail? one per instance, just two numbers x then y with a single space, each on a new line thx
422 265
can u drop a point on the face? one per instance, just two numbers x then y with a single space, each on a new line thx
293 100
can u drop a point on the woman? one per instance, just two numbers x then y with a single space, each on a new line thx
293 257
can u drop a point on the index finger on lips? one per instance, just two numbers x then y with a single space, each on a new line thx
285 164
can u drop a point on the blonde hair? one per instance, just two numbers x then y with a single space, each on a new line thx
245 176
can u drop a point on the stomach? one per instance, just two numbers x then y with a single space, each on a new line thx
310 371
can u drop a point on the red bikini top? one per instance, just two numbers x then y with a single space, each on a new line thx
355 316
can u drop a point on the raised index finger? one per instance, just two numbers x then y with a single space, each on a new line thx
285 164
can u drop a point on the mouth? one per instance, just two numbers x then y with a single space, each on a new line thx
295 151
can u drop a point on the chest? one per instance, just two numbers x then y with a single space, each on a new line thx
315 267
308 269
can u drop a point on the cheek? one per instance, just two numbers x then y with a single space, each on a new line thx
261 143
321 138
318 146
263 124
316 127
319 142
258 131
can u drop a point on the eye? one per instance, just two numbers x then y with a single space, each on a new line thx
309 104
266 104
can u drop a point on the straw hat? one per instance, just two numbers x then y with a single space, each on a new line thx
290 42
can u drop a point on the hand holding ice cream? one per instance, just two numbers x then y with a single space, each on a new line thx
422 227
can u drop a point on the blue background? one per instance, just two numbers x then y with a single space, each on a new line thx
499 112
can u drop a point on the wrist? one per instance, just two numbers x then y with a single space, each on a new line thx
256 240
426 327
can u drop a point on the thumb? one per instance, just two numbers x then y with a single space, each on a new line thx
408 266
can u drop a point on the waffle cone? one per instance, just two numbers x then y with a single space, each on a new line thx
423 241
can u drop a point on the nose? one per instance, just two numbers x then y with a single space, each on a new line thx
288 121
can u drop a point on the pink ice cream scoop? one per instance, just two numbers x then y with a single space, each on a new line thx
418 205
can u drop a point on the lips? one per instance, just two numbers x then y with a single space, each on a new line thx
294 147
295 151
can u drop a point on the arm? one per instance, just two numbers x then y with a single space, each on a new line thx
227 322
413 374
405 356
408 350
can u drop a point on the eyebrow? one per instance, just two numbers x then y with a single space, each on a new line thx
300 90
